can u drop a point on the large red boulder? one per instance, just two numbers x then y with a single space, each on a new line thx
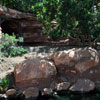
81 59
35 72
77 62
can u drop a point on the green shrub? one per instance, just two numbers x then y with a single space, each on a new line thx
4 84
9 47
46 11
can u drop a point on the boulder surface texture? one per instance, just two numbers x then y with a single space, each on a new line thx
35 72
76 69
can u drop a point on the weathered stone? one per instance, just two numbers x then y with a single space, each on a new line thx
62 58
80 59
63 86
10 13
47 91
1 11
21 24
83 85
59 79
31 92
34 72
10 92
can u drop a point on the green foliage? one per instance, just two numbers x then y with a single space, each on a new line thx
76 18
4 84
9 46
46 11
82 18
22 5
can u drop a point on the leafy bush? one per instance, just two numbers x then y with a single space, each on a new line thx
46 11
22 5
9 47
76 18
80 18
4 84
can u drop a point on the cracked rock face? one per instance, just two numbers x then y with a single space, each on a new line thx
78 63
28 25
63 86
81 59
34 72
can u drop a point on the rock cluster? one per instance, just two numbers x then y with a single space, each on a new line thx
74 70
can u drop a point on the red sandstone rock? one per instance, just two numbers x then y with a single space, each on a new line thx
10 13
80 59
34 72
1 11
22 24
78 63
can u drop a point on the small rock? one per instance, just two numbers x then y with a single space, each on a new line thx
83 85
47 91
3 96
62 86
10 92
31 93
